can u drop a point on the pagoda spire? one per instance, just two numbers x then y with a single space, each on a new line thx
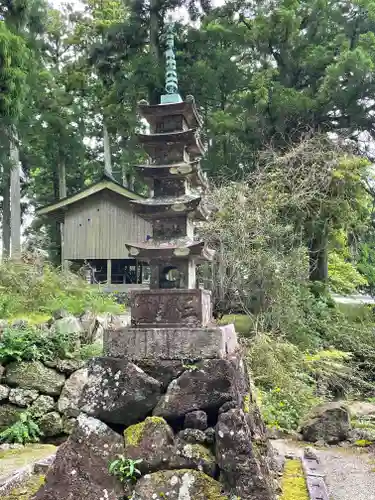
171 80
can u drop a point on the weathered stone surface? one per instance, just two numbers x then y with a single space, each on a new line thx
193 456
34 375
59 314
362 410
119 392
151 440
4 392
69 366
182 484
80 470
2 368
192 436
68 424
42 405
171 308
22 397
242 468
137 344
362 435
51 424
67 325
9 414
210 434
329 422
206 387
163 370
68 403
196 420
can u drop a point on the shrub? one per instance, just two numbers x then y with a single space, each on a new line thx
24 431
33 344
39 288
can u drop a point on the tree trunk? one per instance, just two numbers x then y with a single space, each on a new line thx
15 199
318 257
6 212
62 194
107 150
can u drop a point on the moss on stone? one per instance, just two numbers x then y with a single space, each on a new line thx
133 435
246 403
363 443
27 490
208 488
294 485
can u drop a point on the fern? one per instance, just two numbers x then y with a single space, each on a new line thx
24 431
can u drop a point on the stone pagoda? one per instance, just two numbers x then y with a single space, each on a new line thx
174 307
176 185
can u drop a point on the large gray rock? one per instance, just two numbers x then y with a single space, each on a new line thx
42 405
243 470
196 420
206 386
181 484
34 375
119 392
329 422
51 424
22 397
9 414
4 392
152 441
69 325
69 366
68 403
162 370
80 470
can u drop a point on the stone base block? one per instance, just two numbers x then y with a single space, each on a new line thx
171 308
136 344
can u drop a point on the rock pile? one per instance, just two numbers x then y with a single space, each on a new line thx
196 429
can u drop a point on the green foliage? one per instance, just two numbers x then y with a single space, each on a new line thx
32 344
125 469
90 351
39 288
24 431
343 275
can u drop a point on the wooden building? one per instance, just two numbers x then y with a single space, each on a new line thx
97 224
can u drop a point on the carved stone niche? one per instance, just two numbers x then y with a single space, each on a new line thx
171 308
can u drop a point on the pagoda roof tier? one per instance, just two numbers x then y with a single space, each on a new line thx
189 138
165 249
186 108
175 170
167 206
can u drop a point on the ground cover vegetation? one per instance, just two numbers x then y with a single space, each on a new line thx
286 91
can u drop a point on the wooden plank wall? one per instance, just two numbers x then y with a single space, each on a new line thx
99 226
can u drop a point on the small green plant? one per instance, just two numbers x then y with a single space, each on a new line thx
33 344
189 366
125 469
24 431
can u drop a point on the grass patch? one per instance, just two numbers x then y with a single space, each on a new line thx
242 322
27 490
294 485
11 460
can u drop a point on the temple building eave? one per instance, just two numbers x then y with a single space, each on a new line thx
164 250
187 108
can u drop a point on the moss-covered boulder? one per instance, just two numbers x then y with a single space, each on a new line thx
34 375
152 441
51 424
9 414
22 397
178 484
42 405
193 456
329 422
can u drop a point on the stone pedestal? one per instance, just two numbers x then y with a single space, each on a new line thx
137 344
172 308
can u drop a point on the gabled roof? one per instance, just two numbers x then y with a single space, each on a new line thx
106 182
